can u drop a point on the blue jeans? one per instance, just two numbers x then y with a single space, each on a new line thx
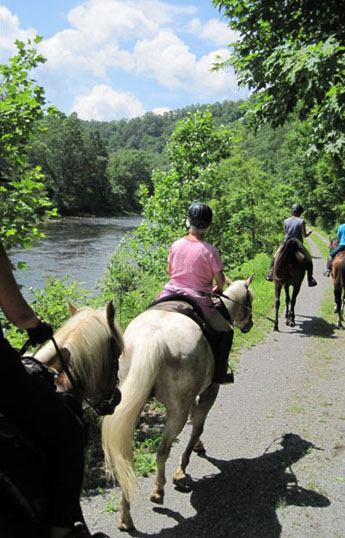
336 250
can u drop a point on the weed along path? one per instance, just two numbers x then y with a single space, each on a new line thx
275 441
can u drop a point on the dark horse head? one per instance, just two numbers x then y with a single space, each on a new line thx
289 270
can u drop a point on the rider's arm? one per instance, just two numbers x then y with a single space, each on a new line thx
220 281
304 231
13 304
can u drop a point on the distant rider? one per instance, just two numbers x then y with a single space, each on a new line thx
295 227
334 252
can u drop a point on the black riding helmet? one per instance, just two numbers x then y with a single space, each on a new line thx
297 208
200 215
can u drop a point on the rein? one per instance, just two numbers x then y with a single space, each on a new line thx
222 296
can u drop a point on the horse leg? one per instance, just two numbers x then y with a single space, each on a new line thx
278 288
198 416
174 425
338 301
125 521
287 304
292 305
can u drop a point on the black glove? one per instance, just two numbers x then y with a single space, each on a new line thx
40 334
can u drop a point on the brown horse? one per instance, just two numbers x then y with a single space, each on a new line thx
338 274
289 269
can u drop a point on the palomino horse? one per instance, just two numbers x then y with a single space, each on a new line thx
289 270
166 356
338 274
90 343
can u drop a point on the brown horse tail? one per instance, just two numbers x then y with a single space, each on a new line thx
286 255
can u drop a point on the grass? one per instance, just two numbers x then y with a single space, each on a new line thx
112 505
323 247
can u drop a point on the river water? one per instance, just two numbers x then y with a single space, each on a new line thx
75 246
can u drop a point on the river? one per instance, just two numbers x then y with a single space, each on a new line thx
75 246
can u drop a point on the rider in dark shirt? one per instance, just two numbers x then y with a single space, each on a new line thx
295 227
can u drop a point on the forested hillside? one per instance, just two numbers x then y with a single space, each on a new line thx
97 167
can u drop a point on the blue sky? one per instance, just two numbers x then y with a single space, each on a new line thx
114 59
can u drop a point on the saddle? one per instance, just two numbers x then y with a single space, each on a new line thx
184 304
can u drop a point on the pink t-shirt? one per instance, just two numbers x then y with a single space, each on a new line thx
193 264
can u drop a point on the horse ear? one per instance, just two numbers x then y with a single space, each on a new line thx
66 354
72 308
111 314
249 280
228 280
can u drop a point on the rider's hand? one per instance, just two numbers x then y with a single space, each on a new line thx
41 333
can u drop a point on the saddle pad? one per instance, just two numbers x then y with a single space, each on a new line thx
185 305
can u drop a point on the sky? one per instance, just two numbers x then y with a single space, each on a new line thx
117 59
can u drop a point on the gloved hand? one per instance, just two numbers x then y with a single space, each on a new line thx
41 333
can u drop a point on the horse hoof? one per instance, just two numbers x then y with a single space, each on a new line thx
199 448
157 498
126 527
179 479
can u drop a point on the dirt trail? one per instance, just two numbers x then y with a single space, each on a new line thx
256 481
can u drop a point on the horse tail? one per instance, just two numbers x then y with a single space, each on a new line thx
286 255
118 428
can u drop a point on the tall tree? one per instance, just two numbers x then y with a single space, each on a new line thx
127 170
74 162
291 54
22 105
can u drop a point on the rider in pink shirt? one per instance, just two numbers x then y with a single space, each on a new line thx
193 266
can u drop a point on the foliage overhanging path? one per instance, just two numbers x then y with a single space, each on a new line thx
246 486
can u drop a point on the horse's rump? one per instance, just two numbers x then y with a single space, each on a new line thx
290 254
338 269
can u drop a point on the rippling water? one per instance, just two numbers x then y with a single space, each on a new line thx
73 246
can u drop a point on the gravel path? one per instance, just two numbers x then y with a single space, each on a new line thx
275 444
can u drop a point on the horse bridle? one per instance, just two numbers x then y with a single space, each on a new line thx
247 307
107 405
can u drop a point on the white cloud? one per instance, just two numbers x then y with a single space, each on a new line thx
167 59
10 31
105 104
73 52
160 110
215 31
101 20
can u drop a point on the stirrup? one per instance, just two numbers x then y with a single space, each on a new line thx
311 282
269 277
327 272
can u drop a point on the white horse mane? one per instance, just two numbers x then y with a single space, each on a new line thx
87 337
